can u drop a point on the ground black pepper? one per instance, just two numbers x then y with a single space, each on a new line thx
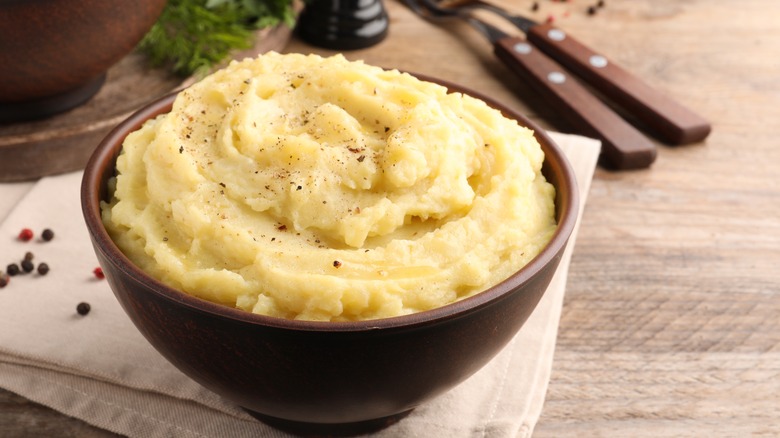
83 308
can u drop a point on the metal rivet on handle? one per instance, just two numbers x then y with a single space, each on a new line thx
556 35
556 77
598 61
522 48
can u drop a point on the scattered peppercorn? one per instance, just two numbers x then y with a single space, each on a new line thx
28 265
29 256
600 4
25 235
99 273
43 268
591 10
535 6
47 234
12 269
336 264
83 308
4 279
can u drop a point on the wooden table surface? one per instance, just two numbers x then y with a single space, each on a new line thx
671 323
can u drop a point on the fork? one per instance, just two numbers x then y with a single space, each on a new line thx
668 119
624 147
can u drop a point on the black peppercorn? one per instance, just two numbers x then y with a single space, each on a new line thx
27 265
47 234
4 279
83 308
43 268
29 256
12 269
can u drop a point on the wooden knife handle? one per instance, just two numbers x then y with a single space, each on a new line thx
671 121
624 147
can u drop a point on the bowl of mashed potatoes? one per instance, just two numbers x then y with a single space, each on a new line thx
326 243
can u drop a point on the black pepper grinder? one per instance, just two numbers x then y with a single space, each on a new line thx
343 24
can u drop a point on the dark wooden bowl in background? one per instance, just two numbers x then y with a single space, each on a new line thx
325 377
54 53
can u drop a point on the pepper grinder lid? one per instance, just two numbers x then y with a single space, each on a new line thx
343 24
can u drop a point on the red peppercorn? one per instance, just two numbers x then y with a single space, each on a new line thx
99 273
25 235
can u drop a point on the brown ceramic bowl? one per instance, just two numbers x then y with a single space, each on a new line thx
55 53
325 376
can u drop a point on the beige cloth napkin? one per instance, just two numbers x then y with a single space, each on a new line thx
100 369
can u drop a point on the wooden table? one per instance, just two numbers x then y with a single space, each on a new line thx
671 324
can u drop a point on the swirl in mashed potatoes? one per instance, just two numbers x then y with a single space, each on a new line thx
317 188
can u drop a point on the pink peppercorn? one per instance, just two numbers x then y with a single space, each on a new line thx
25 235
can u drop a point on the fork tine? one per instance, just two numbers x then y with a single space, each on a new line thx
429 10
520 22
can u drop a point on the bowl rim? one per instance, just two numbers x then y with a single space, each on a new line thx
103 160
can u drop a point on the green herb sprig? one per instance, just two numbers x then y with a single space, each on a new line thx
191 36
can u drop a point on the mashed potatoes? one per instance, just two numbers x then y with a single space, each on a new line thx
322 189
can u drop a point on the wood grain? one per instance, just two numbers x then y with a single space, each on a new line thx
670 325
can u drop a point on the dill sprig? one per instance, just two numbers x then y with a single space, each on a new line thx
191 36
